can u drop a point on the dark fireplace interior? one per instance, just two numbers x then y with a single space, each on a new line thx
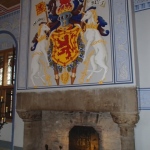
83 138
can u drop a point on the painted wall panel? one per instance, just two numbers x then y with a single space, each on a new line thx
144 98
142 130
115 16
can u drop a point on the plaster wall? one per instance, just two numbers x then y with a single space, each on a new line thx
6 132
142 130
143 46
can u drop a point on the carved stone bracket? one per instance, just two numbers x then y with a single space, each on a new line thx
126 122
29 116
125 118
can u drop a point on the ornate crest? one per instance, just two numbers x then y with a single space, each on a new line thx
65 47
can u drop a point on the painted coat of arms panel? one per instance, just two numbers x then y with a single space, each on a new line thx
70 43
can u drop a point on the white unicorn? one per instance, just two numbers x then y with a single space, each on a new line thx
39 50
94 39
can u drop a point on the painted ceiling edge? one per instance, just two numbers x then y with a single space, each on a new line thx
4 10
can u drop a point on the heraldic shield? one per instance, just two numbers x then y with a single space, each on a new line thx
65 47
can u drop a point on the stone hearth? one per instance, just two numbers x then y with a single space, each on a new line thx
49 117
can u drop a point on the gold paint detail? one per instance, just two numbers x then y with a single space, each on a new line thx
91 26
88 80
101 82
65 8
40 8
83 38
37 53
64 77
84 72
41 38
47 76
99 41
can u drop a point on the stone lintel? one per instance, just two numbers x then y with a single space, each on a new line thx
91 100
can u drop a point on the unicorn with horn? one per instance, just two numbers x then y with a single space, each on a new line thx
95 40
40 50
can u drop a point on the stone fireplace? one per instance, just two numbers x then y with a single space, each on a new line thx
92 119
84 137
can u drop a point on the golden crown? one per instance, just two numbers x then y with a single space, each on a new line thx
64 8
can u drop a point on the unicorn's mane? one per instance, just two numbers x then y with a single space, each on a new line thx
39 30
94 15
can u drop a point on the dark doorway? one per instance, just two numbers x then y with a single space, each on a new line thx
83 138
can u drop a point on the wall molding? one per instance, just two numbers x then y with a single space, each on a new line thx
7 145
140 5
5 10
143 98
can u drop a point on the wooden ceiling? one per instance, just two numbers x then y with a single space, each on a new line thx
9 3
8 6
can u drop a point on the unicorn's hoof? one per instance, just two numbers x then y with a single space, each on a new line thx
87 80
101 82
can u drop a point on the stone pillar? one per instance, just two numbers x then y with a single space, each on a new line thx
127 137
32 129
126 122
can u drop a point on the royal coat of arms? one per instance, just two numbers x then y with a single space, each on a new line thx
71 29
65 46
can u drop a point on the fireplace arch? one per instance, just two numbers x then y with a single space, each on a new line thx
83 138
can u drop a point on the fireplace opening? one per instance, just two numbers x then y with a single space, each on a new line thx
83 138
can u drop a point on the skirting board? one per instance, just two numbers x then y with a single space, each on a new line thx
7 145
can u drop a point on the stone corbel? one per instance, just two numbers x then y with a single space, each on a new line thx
32 125
125 118
29 116
126 123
